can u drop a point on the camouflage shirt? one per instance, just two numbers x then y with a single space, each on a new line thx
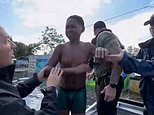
108 40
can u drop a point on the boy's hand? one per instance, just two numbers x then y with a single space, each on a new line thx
41 74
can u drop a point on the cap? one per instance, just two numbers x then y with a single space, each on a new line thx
99 24
151 21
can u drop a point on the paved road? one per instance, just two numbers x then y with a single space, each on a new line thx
123 109
120 112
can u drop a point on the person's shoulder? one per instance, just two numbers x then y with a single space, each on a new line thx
59 46
146 43
87 43
89 47
62 45
107 36
107 32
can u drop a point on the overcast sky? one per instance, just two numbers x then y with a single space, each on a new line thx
25 19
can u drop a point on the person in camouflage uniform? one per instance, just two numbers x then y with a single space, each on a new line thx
109 83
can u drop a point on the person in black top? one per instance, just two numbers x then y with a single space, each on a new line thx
11 101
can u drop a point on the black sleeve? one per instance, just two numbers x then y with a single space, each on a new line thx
26 87
49 102
19 107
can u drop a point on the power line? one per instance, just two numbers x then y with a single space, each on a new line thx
125 13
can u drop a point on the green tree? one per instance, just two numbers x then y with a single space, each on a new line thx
51 38
25 50
33 48
21 49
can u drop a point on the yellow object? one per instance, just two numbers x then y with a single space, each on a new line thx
134 85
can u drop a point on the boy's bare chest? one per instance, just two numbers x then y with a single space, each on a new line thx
74 56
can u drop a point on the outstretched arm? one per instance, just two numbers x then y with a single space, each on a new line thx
54 59
130 64
143 67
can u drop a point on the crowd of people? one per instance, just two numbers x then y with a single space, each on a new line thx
104 59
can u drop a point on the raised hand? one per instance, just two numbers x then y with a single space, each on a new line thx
54 76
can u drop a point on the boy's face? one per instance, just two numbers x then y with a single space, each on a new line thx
73 29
